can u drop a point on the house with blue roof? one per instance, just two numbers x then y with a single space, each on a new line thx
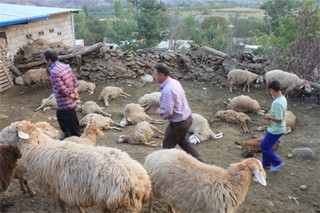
22 24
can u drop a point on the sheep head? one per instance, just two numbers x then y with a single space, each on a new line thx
29 133
123 139
254 166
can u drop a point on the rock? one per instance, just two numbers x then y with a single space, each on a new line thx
303 187
303 153
290 155
147 78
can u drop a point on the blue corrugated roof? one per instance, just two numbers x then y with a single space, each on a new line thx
11 14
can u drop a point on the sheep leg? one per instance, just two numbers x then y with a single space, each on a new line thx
244 127
125 94
288 130
261 128
244 88
22 185
151 143
113 127
156 121
170 209
26 186
62 205
154 128
117 124
105 113
81 209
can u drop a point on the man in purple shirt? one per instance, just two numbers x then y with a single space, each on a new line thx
64 84
174 107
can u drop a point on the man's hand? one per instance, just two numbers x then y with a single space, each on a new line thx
75 95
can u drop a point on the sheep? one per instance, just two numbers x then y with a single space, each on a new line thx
142 134
9 155
21 171
288 81
88 175
190 186
109 93
134 113
51 103
306 90
232 116
149 100
101 121
34 76
200 130
86 86
88 136
244 103
290 123
252 146
48 129
238 77
91 107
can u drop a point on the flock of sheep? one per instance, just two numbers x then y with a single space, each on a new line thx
77 172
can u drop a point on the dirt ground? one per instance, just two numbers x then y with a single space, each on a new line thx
19 103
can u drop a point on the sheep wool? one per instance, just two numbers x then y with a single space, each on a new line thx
87 175
9 156
190 186
150 99
99 120
238 77
288 81
110 93
244 103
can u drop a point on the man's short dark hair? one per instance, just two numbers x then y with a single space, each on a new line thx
160 67
275 85
51 54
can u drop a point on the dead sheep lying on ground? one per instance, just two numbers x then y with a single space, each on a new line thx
51 103
200 130
142 133
234 117
33 76
190 186
244 103
86 86
239 77
290 123
99 120
92 107
109 93
150 100
252 146
89 175
88 137
9 155
134 113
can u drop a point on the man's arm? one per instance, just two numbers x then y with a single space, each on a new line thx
166 104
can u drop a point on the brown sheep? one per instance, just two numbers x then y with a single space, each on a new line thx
252 146
9 156
35 76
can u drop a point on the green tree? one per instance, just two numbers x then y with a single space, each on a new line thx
151 18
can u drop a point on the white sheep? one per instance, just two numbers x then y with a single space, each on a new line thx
150 100
290 123
33 76
20 172
9 155
86 86
88 137
101 121
134 113
109 93
88 175
51 103
190 186
238 77
288 81
142 134
244 103
232 116
92 107
200 130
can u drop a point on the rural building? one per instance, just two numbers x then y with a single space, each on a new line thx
20 25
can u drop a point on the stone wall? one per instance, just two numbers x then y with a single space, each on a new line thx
58 28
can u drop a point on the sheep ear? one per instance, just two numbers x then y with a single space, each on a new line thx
23 135
259 177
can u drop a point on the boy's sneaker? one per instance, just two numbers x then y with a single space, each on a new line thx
276 168
266 167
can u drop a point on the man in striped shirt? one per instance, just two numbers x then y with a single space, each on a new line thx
174 107
64 84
